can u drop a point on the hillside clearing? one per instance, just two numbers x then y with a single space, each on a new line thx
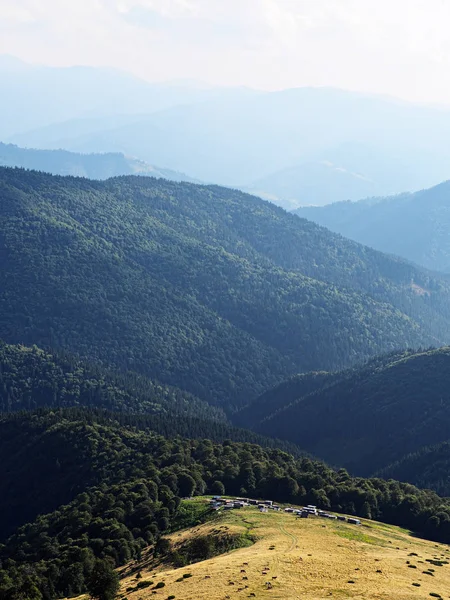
307 559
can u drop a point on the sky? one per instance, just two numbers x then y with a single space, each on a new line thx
394 47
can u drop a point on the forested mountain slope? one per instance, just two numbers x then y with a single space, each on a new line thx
414 226
93 166
32 378
204 288
50 456
371 416
130 482
281 396
429 468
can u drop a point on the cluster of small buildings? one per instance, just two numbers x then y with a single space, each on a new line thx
311 511
217 502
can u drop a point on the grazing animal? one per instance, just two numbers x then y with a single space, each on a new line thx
274 577
243 571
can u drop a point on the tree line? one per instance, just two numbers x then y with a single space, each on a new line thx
135 496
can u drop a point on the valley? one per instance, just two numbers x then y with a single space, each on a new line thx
164 339
224 277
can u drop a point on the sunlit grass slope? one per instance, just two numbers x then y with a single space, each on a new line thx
307 559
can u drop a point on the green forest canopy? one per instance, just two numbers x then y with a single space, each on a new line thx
203 288
364 418
134 496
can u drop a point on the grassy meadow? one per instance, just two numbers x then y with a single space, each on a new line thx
302 559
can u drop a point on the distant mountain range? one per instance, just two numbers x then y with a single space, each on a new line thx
93 166
414 226
350 171
296 147
36 96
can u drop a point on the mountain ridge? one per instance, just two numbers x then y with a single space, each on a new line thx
368 417
213 284
410 225
92 166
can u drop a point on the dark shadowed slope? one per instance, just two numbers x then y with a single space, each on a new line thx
428 468
370 416
32 378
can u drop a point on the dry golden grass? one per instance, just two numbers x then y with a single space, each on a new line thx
311 559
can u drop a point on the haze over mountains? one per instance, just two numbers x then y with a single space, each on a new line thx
36 96
297 147
415 226
93 166
214 290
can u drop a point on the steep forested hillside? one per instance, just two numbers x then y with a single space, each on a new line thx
281 396
429 468
32 378
371 416
93 166
414 226
205 288
129 483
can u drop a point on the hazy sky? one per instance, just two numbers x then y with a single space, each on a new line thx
397 47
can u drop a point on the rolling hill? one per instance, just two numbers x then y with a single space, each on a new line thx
350 171
414 226
367 418
204 288
310 559
93 166
123 487
52 455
